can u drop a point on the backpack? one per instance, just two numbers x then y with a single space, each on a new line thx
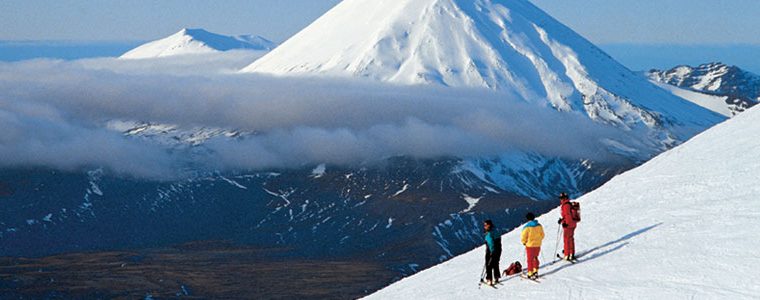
513 269
575 211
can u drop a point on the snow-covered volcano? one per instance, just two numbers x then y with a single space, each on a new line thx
197 41
502 45
683 225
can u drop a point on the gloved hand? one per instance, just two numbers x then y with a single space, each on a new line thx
564 225
559 221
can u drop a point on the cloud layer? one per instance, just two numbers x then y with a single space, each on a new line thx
53 113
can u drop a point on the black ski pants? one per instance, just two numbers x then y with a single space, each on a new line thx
492 264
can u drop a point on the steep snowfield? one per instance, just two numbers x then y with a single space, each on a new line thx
503 45
683 225
197 41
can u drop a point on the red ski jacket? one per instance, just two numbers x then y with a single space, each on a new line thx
566 217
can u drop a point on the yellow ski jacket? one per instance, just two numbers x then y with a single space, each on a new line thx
532 234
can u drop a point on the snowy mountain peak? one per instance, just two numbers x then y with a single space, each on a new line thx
713 77
502 45
736 89
447 42
197 41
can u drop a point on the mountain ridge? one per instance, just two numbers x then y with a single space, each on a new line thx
736 88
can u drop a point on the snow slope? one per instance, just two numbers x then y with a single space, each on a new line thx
197 41
497 44
683 225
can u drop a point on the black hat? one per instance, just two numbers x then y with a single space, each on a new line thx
563 195
530 216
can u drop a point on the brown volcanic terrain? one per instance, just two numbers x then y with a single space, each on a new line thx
204 270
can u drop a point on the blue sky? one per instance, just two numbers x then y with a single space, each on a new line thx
660 21
698 30
602 21
150 19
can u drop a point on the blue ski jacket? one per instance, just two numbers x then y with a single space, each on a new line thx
491 237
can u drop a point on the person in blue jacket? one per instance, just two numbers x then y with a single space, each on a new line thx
493 252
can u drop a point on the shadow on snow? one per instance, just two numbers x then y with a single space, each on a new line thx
618 244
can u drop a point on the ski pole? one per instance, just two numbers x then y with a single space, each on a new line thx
556 244
483 273
485 268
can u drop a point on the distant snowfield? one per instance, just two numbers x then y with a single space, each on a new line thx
683 225
713 103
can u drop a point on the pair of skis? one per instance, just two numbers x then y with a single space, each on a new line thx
531 279
482 282
536 279
525 276
573 261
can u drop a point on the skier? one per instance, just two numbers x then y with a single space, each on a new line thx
568 223
493 252
532 235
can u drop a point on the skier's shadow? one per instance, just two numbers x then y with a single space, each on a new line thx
618 244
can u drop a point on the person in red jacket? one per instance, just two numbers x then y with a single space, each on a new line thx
568 226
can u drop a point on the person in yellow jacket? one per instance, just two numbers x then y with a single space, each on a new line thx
531 236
